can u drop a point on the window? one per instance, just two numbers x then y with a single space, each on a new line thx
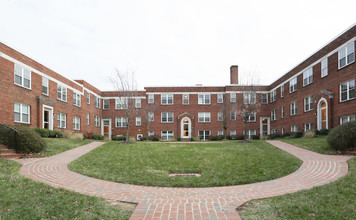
274 115
76 123
61 120
220 132
282 112
204 117
44 86
204 99
151 133
88 118
232 97
308 126
88 98
324 67
106 104
249 97
137 103
345 119
22 113
308 76
232 116
293 85
293 108
151 98
264 98
250 117
346 55
250 133
22 76
293 128
282 91
151 116
347 90
138 121
220 116
76 99
273 95
121 122
283 130
308 103
96 102
185 99
220 98
167 117
166 135
274 131
233 133
122 103
61 93
96 121
204 135
167 99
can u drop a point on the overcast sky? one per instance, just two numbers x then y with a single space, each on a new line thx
171 43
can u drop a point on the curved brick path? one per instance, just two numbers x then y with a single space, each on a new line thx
186 203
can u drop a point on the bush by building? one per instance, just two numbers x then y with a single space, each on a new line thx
97 137
343 137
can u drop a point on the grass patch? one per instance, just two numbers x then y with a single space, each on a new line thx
332 201
22 198
220 164
317 144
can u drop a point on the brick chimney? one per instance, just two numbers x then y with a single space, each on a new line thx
234 74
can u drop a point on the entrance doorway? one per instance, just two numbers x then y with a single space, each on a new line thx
322 114
186 128
47 117
106 128
264 126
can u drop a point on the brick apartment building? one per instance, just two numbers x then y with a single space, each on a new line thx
317 93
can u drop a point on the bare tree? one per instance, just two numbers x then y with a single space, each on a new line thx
148 115
125 84
225 112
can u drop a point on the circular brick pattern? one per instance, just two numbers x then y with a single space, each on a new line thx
186 203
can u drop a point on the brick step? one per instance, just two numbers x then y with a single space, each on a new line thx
8 153
186 139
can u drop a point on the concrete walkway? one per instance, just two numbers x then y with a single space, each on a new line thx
186 203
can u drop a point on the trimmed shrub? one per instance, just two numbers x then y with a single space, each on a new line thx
215 138
178 138
322 131
298 134
255 137
55 134
343 137
42 132
154 138
274 136
309 134
228 137
287 134
195 138
118 138
240 137
143 138
97 137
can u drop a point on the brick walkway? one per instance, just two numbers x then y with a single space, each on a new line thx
186 203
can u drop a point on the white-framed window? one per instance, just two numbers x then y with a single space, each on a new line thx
308 76
121 122
232 116
273 115
274 131
96 102
76 99
151 98
88 118
22 76
250 117
273 95
348 118
185 99
167 117
151 133
122 103
203 116
22 113
220 98
293 108
293 85
346 55
250 133
166 135
283 130
347 90
61 93
220 116
324 67
167 99
282 112
249 97
220 132
293 128
76 123
139 136
96 121
45 86
308 103
138 121
151 116
308 126
282 91
233 133
232 97
203 99
88 97
106 104
137 103
61 120
204 135
264 98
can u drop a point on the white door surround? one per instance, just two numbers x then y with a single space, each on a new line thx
322 114
47 117
264 126
186 128
106 127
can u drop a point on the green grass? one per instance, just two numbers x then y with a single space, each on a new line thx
336 200
220 164
59 145
317 144
22 198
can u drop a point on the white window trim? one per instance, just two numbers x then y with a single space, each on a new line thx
266 94
153 116
88 97
205 137
123 122
106 100
63 89
23 76
348 118
137 103
151 98
325 61
202 101
310 103
308 75
296 108
294 86
45 83
169 135
167 117
96 121
167 95
76 120
222 98
273 95
88 118
77 98
61 117
283 112
183 95
346 53
233 98
348 90
21 113
220 116
138 121
205 115
282 91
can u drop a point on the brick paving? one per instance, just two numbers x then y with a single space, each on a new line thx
186 203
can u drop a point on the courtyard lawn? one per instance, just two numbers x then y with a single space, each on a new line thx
317 144
220 164
22 198
59 145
